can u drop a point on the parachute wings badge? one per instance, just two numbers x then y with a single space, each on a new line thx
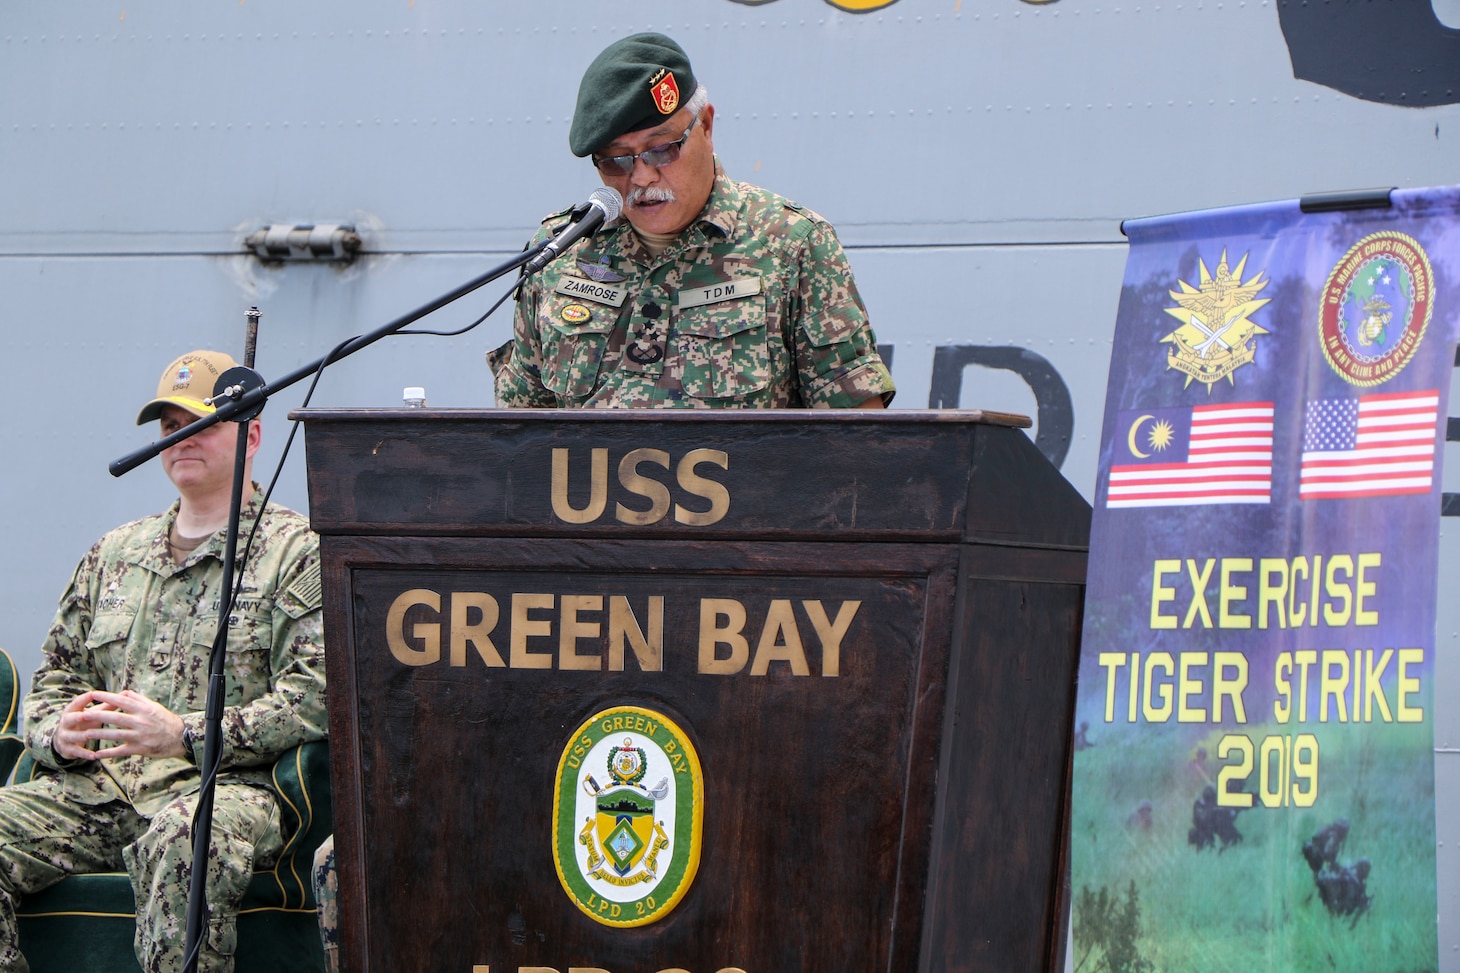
1217 334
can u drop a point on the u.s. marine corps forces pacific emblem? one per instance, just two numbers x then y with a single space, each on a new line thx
1217 334
628 811
1375 307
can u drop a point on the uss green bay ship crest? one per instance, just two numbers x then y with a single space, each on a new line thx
628 812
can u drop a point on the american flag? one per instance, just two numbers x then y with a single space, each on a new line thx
1217 454
1372 446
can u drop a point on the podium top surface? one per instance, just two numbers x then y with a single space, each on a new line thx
673 416
855 475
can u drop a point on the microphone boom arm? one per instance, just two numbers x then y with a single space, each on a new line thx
255 398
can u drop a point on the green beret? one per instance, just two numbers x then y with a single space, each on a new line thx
635 83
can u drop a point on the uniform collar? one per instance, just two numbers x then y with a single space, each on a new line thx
723 208
720 217
155 554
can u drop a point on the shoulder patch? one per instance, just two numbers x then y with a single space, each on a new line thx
308 587
561 214
806 212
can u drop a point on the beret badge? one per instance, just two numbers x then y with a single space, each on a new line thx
665 91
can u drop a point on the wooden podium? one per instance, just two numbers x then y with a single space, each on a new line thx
697 691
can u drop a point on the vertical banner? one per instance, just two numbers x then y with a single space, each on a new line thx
1254 762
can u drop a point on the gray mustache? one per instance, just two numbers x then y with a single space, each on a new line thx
649 194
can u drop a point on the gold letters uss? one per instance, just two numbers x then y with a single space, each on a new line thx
657 493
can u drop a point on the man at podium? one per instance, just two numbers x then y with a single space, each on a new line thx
709 293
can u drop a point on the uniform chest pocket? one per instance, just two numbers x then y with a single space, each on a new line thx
574 340
725 348
106 640
246 660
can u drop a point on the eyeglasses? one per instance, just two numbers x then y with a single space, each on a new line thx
656 156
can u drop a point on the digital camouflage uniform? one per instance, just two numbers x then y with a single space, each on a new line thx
132 618
327 902
752 306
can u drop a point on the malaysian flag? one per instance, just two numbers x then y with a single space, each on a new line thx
1372 446
1206 454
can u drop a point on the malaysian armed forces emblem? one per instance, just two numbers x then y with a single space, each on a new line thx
1217 334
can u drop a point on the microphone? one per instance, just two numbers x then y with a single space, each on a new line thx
603 206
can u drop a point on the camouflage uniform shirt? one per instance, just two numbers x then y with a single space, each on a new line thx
753 305
132 618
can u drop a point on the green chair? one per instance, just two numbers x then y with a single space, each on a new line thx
12 745
87 921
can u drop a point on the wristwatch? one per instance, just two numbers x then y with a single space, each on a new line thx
189 744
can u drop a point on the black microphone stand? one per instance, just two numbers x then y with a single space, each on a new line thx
240 395
212 742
